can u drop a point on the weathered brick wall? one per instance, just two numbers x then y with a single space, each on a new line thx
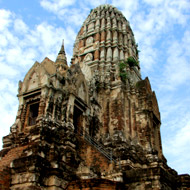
11 155
92 158
4 179
5 162
95 184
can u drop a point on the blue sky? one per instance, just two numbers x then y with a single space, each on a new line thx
33 30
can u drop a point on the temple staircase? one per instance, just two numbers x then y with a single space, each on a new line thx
100 147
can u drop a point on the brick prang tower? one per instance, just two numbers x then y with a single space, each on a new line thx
92 125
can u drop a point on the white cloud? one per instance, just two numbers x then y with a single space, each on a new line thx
128 8
5 19
148 57
182 141
77 17
154 3
20 26
64 11
56 5
7 85
178 147
3 41
12 55
6 122
176 71
6 70
96 3
42 41
8 106
46 35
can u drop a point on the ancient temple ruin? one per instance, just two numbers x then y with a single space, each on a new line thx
94 124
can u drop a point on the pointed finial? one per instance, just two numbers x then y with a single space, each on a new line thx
61 58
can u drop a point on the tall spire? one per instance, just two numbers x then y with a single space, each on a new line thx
116 42
61 61
61 57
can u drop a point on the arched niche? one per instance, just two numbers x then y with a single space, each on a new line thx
82 92
89 41
86 71
88 57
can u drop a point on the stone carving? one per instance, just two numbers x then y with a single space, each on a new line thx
81 92
89 41
86 71
88 57
91 27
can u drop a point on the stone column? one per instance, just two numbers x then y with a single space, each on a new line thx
115 37
96 55
102 54
103 23
108 25
115 54
114 21
109 36
97 25
97 37
109 54
121 57
103 36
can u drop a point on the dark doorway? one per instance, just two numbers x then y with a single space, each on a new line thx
33 113
93 126
77 120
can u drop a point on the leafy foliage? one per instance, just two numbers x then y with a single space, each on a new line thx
122 72
132 62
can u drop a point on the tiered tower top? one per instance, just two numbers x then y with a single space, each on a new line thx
104 40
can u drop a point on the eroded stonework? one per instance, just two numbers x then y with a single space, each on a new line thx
92 125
